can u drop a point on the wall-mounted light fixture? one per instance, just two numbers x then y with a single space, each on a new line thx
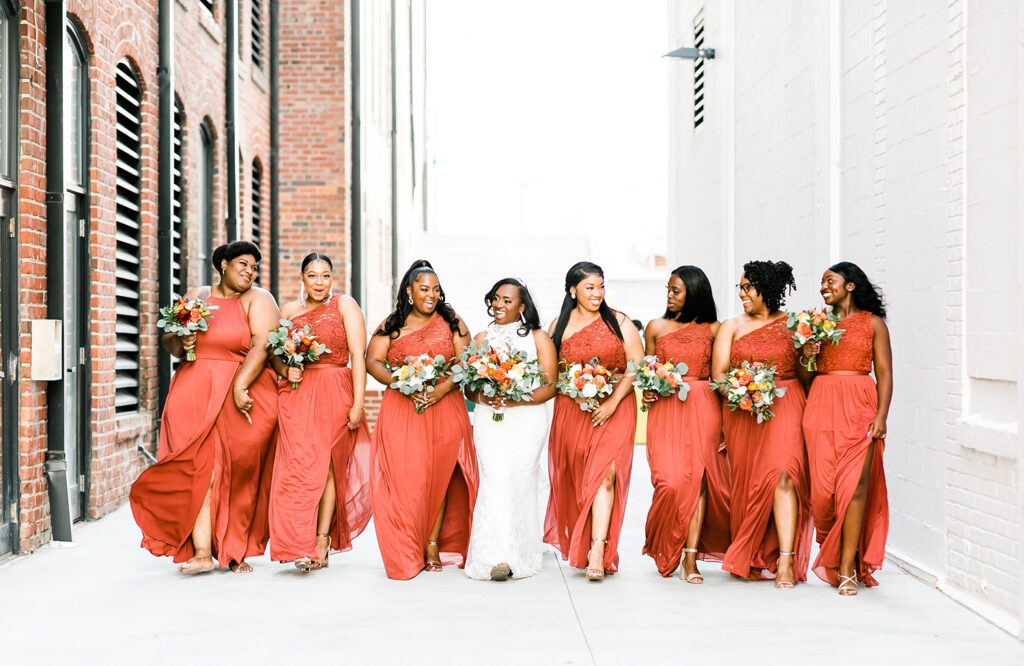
691 53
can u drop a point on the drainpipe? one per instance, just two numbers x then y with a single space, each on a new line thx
356 209
56 464
230 114
394 150
275 164
165 176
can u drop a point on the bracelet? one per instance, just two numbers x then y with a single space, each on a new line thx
240 389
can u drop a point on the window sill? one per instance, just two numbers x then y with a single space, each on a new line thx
259 78
130 426
210 25
986 437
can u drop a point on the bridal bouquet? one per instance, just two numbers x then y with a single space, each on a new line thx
497 372
814 326
184 317
664 378
418 373
297 346
751 388
590 380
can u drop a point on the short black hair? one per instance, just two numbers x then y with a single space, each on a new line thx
232 251
773 281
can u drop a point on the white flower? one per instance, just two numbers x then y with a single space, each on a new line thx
589 391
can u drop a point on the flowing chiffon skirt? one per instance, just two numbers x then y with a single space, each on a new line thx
759 454
683 441
579 458
204 439
314 436
417 460
839 410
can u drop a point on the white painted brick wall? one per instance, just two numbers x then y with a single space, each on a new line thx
929 139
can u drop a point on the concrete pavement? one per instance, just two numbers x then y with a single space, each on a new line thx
105 601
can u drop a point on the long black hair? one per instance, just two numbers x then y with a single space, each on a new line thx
530 320
699 306
773 281
315 256
396 320
578 273
866 294
232 251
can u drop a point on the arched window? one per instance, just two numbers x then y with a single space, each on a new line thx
128 95
257 210
204 179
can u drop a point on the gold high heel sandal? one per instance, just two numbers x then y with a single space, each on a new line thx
694 578
323 564
594 574
784 584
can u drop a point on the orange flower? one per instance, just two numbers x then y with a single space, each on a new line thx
804 329
600 381
289 346
746 404
756 397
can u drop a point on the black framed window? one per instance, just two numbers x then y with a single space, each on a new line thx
179 267
128 245
257 209
204 178
257 33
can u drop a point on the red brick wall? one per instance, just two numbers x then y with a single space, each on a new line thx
115 29
314 187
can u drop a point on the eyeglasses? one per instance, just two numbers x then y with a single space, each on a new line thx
745 288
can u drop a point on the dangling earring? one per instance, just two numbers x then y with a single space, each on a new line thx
522 317
303 297
410 300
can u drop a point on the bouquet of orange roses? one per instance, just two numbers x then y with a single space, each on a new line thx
751 388
418 373
664 378
296 346
184 317
497 372
814 326
591 381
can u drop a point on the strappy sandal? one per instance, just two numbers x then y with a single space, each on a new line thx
433 567
847 591
783 584
695 578
324 563
594 574
304 564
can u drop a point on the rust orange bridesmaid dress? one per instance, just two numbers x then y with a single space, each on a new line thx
313 436
683 442
417 460
842 403
204 439
759 454
580 455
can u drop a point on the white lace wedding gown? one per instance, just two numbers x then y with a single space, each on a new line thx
506 520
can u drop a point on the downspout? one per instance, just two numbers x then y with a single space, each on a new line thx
356 190
56 465
394 150
275 164
165 176
230 114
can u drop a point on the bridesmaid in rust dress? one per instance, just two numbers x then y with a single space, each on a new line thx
320 497
423 469
207 496
844 424
689 515
591 452
770 495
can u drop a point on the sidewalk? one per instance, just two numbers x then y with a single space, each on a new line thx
105 601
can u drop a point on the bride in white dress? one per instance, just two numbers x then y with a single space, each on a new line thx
506 540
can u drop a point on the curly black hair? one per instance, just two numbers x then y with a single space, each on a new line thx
773 280
231 251
866 295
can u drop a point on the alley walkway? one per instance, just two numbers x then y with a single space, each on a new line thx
107 602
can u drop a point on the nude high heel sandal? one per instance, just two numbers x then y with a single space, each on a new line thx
594 574
695 578
784 584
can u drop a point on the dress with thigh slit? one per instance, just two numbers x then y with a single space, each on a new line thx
581 455
314 436
419 459
204 439
758 455
842 403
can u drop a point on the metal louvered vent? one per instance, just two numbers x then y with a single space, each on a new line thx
257 33
208 4
128 250
257 180
179 273
698 71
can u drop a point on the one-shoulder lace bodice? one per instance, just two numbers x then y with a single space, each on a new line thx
595 339
771 344
690 345
434 338
855 350
329 328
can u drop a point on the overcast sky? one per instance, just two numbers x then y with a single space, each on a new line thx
551 116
